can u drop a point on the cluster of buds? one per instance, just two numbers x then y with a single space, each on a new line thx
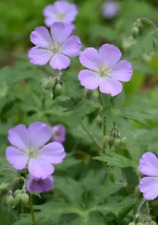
54 84
146 223
115 138
13 199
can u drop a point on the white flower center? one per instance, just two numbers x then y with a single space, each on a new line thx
33 152
104 71
61 16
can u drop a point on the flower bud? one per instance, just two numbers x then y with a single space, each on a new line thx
18 198
17 192
107 138
58 89
117 142
98 120
135 32
4 187
132 223
25 199
147 223
48 82
140 223
10 200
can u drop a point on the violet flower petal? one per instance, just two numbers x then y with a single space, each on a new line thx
148 164
90 59
41 37
53 152
40 134
40 168
17 158
39 185
109 54
89 79
39 56
19 137
59 62
110 86
60 31
122 71
71 46
149 187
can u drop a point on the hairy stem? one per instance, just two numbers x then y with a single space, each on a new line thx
31 210
103 121
91 136
146 20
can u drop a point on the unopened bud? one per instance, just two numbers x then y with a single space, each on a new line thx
58 89
107 139
25 199
98 120
117 142
48 82
4 187
18 198
10 200
140 223
147 223
17 192
135 32
132 223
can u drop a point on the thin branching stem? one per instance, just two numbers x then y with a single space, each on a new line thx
91 136
31 209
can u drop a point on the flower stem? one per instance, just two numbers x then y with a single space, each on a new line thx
104 120
146 20
31 209
91 136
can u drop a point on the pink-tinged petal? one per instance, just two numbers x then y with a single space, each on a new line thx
41 37
40 134
40 168
40 185
110 86
53 152
109 54
72 46
89 79
19 137
90 59
122 71
17 158
59 62
61 31
149 187
148 164
39 56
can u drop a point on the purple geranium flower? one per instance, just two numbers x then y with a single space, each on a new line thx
105 70
30 149
60 11
54 48
149 167
59 133
39 185
110 9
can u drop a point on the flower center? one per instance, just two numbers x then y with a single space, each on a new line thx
61 16
33 152
104 71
